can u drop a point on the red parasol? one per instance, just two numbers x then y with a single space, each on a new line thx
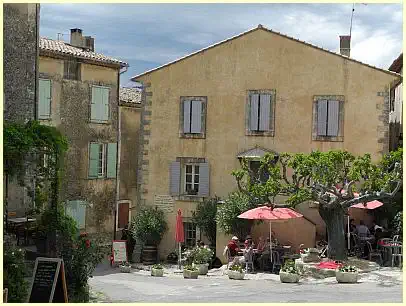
267 213
179 234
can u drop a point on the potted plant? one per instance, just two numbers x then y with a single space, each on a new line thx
125 267
236 271
190 272
157 270
347 274
201 260
288 273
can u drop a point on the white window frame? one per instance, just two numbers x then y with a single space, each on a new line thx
187 224
193 183
101 172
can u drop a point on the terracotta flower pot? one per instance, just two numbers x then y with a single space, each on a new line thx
190 274
157 272
288 277
346 277
235 274
203 268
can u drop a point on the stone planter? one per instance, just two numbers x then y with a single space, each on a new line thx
288 277
125 269
310 257
235 274
346 277
157 272
203 268
190 274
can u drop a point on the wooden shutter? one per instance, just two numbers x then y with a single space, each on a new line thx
94 160
254 112
44 102
174 178
186 116
123 214
77 210
333 110
196 117
111 160
204 180
96 104
321 117
105 104
265 112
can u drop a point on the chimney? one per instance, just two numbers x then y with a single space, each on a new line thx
345 45
76 38
89 43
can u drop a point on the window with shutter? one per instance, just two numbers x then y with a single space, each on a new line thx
44 101
193 112
94 160
99 108
174 178
328 117
259 120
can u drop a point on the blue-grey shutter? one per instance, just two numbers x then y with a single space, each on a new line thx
254 112
186 116
265 112
196 117
94 160
96 104
77 210
204 180
105 103
174 178
111 160
44 101
333 109
321 117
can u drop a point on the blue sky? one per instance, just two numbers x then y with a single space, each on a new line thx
149 35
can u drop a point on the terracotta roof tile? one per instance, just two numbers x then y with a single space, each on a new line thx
61 47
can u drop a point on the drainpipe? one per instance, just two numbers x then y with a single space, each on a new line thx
118 152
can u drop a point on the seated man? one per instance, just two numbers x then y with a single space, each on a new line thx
362 230
233 246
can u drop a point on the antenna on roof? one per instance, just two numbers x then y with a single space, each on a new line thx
352 15
61 34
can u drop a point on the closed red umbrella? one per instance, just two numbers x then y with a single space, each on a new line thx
179 233
269 213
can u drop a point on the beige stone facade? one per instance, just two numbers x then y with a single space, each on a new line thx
291 75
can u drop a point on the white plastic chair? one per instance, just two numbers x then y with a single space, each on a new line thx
397 253
395 238
249 261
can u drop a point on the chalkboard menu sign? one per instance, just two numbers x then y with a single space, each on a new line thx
48 284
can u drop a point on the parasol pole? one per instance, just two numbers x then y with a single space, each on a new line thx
348 231
270 237
180 256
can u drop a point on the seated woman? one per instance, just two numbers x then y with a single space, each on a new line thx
261 244
247 253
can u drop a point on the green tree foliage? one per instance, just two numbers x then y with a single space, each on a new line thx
205 218
328 178
227 213
149 225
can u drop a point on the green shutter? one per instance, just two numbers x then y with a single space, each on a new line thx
94 160
77 210
44 101
111 160
105 99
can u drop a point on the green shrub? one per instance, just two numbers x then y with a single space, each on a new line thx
289 267
236 267
13 273
203 255
157 266
204 217
190 268
149 225
398 224
351 269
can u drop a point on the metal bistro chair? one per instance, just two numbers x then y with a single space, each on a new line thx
249 261
395 238
374 253
397 252
276 261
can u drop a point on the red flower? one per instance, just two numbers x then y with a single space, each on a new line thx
87 243
84 234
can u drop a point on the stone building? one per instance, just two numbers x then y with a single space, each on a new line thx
20 81
396 106
129 118
79 94
257 90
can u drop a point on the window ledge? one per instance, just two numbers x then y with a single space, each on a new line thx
260 133
189 198
100 122
329 138
193 136
45 119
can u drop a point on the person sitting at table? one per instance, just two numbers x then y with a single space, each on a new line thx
249 239
261 244
233 246
374 227
353 227
362 230
248 252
